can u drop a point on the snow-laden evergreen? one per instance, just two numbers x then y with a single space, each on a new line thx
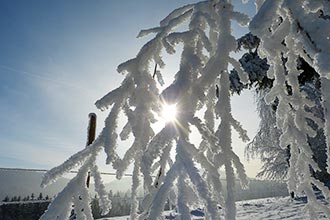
204 64
290 30
194 87
265 144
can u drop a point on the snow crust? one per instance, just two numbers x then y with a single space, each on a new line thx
262 209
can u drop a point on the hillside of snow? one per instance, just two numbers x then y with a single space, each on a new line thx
260 209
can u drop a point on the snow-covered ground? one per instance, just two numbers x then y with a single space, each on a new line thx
264 209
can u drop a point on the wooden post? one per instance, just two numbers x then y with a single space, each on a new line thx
91 131
91 128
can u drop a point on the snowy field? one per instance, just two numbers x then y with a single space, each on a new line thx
263 209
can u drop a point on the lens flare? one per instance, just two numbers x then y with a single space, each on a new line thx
169 112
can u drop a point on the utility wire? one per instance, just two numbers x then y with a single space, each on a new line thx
45 170
71 171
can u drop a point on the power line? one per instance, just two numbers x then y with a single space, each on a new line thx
45 170
71 171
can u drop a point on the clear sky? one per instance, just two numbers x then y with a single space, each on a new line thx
58 57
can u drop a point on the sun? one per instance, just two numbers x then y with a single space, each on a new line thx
169 112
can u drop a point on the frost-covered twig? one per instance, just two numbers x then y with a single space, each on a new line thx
300 33
204 63
75 195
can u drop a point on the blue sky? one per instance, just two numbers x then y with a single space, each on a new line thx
57 58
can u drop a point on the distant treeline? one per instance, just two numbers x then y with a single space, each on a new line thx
261 189
120 205
22 210
121 201
26 198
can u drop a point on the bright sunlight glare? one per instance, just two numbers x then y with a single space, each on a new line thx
169 112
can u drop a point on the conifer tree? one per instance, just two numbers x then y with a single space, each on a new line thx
290 30
203 84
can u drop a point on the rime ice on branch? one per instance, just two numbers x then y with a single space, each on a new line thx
205 60
193 88
75 195
290 30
